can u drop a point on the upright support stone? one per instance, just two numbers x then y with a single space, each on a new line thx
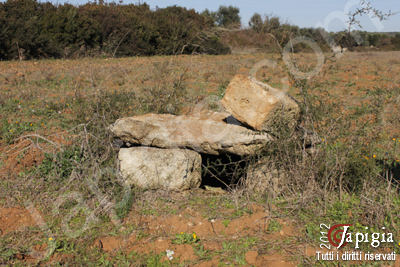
155 168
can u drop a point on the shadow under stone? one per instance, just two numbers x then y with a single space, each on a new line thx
393 170
223 170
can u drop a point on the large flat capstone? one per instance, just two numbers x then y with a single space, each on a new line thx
204 135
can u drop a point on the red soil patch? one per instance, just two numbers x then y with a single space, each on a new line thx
113 244
212 245
26 153
110 243
20 156
195 223
211 233
184 252
276 260
60 259
212 263
251 257
13 219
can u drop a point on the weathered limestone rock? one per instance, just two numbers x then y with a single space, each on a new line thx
258 105
263 177
204 135
155 168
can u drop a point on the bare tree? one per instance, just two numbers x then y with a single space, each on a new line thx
365 8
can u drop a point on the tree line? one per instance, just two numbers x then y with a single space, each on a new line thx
31 29
283 32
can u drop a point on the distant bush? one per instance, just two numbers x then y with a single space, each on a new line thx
226 16
396 41
269 33
32 29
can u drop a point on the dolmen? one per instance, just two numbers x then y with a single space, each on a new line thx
164 151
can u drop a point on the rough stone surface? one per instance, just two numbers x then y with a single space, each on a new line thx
204 135
263 177
155 168
258 105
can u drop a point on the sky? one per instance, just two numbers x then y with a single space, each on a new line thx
329 14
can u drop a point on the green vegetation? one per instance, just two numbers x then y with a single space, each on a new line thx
32 29
235 251
185 238
274 226
227 16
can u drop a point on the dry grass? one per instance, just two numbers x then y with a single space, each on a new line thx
352 105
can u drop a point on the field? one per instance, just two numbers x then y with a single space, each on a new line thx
61 204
